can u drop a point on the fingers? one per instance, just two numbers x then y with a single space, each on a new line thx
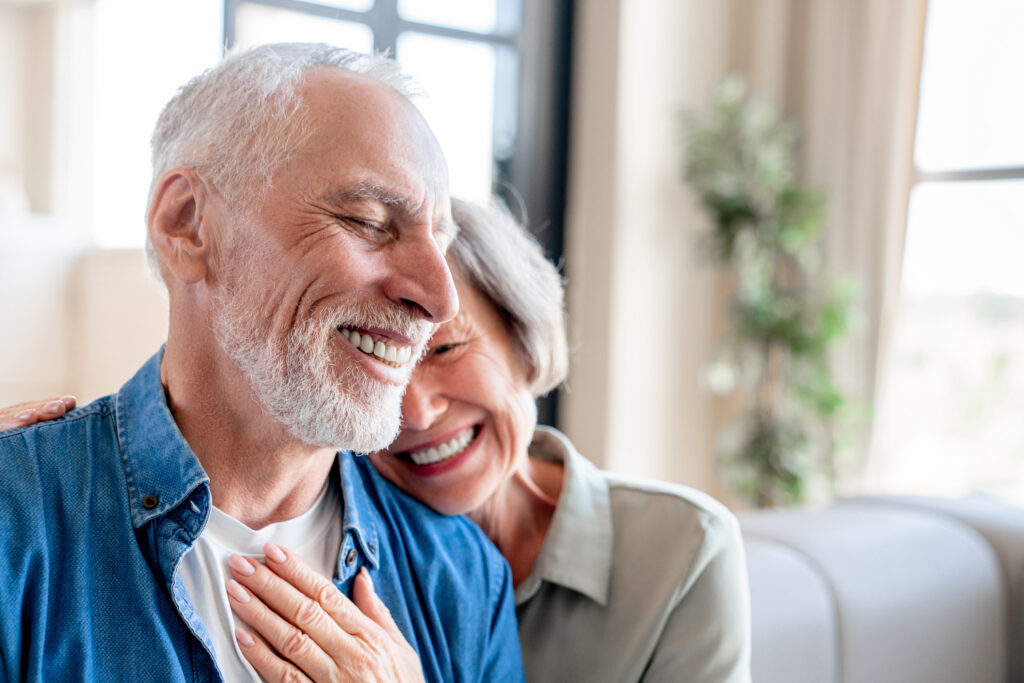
313 626
365 598
290 622
295 571
268 665
30 412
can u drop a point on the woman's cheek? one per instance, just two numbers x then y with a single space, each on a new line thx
523 417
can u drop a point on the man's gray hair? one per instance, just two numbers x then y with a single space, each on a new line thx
496 254
238 122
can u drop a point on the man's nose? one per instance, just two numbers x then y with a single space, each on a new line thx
423 403
421 280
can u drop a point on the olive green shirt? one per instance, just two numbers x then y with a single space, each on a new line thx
636 580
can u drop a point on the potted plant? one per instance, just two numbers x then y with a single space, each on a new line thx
786 312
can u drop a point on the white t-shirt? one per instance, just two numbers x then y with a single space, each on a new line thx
315 536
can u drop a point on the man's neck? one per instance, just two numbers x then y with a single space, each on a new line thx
259 474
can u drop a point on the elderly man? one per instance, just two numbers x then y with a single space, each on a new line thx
299 216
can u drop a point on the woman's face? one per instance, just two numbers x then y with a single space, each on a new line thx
467 415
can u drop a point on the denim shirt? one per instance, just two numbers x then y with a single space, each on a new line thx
97 509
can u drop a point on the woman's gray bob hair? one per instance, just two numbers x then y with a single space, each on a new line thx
502 260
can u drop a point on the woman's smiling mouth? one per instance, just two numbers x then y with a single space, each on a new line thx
442 451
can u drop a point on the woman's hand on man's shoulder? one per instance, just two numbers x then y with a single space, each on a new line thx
31 412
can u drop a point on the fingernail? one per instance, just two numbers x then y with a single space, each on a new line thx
274 553
26 415
243 637
53 407
241 565
237 592
366 575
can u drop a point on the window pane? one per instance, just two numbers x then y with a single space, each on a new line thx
949 411
480 16
458 78
965 238
972 99
259 24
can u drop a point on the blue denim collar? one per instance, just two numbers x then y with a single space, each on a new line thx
359 514
160 468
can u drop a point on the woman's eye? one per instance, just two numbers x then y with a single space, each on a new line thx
441 349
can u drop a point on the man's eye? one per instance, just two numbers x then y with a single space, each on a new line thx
361 224
368 226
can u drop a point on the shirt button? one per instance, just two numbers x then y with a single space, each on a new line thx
350 559
150 502
372 547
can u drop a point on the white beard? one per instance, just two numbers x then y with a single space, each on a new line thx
319 402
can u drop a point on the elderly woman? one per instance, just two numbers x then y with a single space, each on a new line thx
616 578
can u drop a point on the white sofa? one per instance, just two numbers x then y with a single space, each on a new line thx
888 589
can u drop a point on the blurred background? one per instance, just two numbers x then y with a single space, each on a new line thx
909 114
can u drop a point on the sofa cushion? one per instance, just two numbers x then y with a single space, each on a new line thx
792 615
1002 525
918 597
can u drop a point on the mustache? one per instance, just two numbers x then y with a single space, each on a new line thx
376 316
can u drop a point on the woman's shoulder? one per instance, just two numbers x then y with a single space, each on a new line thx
666 496
654 512
640 510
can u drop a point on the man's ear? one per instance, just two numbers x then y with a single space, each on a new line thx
181 225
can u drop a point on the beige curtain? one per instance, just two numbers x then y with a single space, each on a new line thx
847 71
645 313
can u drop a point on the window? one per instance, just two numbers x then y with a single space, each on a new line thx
951 410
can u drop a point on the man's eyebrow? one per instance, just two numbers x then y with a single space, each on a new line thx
446 228
373 191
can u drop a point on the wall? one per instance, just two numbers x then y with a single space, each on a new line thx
120 313
26 77
644 313
77 321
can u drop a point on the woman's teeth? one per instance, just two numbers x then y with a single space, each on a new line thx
389 353
429 456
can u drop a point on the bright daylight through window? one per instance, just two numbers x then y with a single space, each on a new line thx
460 51
950 414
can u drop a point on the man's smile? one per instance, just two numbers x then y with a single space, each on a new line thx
391 353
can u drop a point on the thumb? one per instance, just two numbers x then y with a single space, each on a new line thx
369 604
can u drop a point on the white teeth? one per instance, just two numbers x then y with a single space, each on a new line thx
392 353
429 456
